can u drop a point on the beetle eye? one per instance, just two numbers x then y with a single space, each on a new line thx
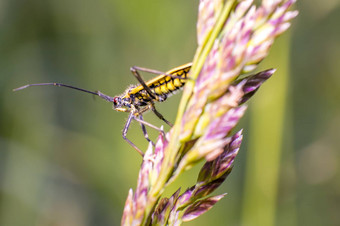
115 100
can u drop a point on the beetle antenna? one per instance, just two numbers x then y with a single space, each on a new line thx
97 93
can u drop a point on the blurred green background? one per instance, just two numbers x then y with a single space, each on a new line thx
63 160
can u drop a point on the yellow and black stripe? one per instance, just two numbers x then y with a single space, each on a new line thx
161 86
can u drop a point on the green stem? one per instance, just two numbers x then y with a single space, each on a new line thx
174 143
264 155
